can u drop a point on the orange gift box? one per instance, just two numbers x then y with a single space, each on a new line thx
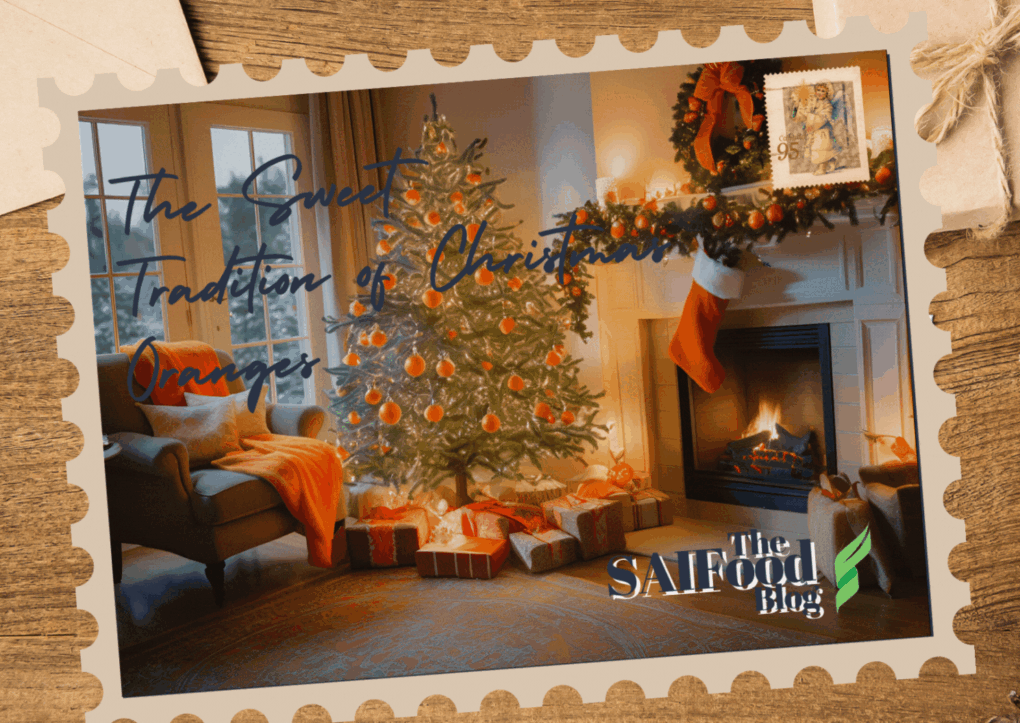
476 558
387 538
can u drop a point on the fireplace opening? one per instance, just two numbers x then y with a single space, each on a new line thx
765 436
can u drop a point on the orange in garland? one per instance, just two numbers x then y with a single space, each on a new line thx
445 368
709 203
883 175
756 219
415 365
515 383
390 412
490 423
373 396
641 222
432 298
617 230
484 277
434 413
774 213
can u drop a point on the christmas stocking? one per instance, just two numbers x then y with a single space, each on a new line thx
692 347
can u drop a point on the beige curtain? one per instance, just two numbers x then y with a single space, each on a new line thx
346 128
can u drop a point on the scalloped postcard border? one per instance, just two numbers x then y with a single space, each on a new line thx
592 681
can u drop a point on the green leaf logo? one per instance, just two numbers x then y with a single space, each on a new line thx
846 567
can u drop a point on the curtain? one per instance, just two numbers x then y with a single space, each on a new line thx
343 125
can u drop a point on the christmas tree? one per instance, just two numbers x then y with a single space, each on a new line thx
437 384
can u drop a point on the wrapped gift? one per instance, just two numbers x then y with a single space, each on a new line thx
461 556
651 508
608 491
597 525
545 550
387 537
469 522
963 183
363 497
531 491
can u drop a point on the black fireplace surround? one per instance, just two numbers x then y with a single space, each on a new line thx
750 490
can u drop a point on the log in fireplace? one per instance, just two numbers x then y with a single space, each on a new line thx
764 437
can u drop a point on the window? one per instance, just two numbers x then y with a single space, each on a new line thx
113 150
277 325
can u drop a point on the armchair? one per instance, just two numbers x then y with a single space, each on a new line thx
156 500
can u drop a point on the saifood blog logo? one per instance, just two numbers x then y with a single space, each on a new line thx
777 577
846 567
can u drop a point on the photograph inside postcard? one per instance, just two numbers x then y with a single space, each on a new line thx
504 374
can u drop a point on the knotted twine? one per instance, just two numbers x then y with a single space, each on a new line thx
965 72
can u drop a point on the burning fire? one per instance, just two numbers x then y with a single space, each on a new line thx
765 421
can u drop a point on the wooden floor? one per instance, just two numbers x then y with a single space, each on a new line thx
161 592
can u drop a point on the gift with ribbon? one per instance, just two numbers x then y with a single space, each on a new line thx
651 508
605 490
387 537
461 556
546 550
597 525
471 523
716 81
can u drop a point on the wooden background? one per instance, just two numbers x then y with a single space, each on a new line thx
41 631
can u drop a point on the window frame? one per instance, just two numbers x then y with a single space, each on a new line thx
156 123
197 122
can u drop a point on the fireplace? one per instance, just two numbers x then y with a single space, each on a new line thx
764 437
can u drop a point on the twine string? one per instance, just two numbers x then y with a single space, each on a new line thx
966 72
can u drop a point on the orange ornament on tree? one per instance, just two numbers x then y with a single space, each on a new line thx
373 396
549 393
432 298
719 219
690 116
474 179
389 229
774 213
363 339
357 308
581 215
441 149
883 175
542 410
413 222
378 338
415 365
617 230
382 248
515 284
550 418
553 359
487 366
756 219
452 334
568 417
490 423
567 278
434 412
515 383
352 359
507 325
431 254
709 203
641 222
344 454
412 196
390 412
483 277
433 218
576 291
354 418
472 231
445 368
389 281
456 197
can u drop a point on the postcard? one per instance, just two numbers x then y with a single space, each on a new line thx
507 376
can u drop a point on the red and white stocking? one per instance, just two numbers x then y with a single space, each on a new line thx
692 347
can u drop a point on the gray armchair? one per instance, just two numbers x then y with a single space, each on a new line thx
157 501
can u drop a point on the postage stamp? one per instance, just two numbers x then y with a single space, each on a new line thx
388 391
816 123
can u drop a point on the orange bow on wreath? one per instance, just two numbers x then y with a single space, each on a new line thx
716 80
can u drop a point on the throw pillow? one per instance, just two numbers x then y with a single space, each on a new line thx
208 431
248 423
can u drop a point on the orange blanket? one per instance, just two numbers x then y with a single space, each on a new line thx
308 475
177 355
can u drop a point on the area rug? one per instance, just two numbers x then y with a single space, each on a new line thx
389 623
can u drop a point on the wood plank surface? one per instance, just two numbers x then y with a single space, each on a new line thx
41 630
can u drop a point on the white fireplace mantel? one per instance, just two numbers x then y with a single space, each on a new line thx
849 274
